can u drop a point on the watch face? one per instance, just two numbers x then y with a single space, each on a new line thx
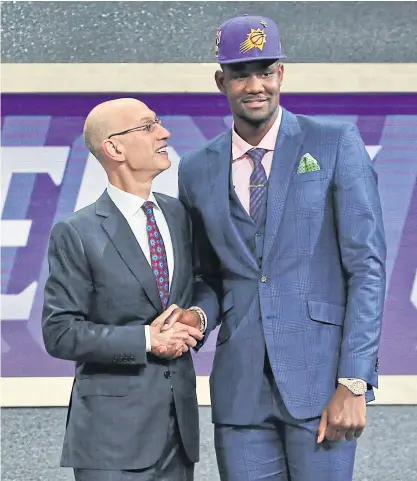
358 387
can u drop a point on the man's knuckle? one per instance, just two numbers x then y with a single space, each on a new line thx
334 421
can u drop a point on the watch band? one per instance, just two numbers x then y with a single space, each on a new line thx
202 317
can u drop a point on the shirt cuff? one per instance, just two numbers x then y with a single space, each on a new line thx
148 339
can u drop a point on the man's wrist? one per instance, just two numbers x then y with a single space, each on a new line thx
358 387
202 317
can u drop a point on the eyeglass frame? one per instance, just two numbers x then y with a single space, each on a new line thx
149 127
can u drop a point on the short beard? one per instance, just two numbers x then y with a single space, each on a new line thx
256 122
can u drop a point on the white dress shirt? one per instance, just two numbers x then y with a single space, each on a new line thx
131 208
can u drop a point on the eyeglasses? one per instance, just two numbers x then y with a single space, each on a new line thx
149 127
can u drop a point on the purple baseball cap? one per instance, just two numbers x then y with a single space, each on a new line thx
248 39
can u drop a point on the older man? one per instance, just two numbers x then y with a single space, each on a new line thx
117 269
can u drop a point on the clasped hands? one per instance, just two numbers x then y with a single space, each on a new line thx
174 332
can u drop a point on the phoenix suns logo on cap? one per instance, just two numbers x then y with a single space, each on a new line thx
256 38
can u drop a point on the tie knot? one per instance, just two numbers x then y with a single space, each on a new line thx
257 155
147 207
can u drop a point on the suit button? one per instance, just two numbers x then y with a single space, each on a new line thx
264 279
167 374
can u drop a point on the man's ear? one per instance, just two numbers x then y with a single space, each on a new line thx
280 73
219 78
112 150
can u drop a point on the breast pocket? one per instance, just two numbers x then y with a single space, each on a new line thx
309 189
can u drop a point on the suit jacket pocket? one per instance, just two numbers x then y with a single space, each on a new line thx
310 176
326 312
103 386
309 191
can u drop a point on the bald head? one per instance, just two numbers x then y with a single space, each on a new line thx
107 118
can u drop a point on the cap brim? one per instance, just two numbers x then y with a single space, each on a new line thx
247 60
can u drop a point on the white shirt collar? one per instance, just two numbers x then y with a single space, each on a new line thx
128 204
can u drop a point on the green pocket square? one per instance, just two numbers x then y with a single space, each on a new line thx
307 164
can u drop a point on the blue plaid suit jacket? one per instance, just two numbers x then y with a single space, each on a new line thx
321 286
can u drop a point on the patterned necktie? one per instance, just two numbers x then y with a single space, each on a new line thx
158 254
258 181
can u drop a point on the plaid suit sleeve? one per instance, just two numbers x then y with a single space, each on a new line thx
363 251
207 282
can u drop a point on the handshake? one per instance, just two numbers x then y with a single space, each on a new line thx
174 332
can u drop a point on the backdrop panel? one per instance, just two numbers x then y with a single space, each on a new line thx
47 173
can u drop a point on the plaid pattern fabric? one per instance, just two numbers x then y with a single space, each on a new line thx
301 294
159 261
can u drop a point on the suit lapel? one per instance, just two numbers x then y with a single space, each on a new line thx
286 155
168 209
219 165
128 248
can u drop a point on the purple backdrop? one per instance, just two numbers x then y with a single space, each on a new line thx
47 173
